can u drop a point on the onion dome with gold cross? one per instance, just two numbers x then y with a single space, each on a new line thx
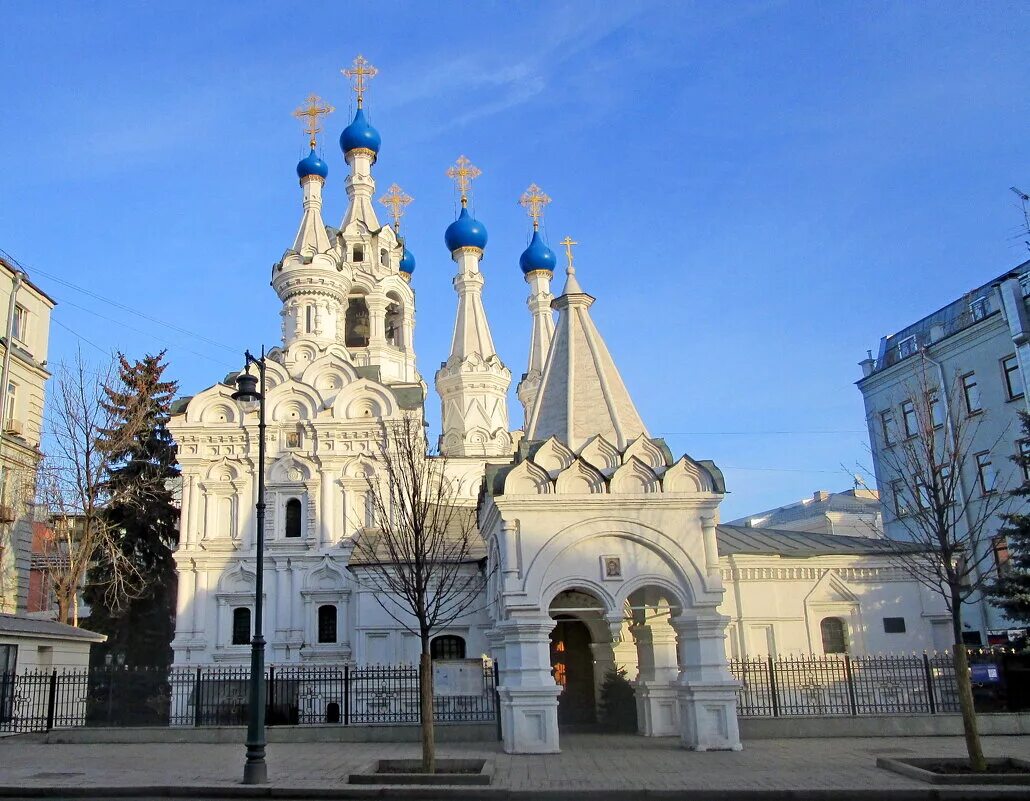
537 256
312 165
396 200
466 231
309 114
360 134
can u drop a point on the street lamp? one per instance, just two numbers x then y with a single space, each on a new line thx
249 395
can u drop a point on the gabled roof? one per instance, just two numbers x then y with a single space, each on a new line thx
781 542
22 625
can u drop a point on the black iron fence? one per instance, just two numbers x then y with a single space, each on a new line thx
348 695
845 685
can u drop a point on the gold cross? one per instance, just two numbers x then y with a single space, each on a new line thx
396 199
359 74
534 200
309 115
568 243
463 173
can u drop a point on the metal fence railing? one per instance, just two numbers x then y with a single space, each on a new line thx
845 685
368 695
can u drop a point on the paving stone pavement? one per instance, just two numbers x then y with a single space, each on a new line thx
587 762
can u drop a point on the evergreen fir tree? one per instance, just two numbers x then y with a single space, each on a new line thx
142 513
1011 592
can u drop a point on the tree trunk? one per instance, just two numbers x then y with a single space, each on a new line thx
965 700
425 691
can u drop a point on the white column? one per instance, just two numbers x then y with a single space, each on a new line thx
529 695
282 600
185 531
185 598
325 522
707 691
655 687
711 544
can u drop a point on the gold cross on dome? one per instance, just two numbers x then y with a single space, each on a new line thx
360 73
310 114
463 173
568 243
534 200
396 199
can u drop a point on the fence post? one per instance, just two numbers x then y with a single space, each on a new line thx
497 701
196 700
772 688
51 704
346 695
270 698
928 672
850 677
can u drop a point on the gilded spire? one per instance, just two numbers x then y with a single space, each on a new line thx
463 173
533 201
395 200
310 114
568 243
359 74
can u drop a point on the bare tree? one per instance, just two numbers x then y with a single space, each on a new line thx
72 490
422 553
926 468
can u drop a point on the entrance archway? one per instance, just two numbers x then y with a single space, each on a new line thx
572 662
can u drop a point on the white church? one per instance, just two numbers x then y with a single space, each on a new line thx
601 548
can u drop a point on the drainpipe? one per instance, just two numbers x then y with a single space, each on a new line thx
19 276
946 400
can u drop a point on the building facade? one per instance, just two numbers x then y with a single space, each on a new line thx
974 354
23 376
852 513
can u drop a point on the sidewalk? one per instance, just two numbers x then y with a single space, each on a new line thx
588 762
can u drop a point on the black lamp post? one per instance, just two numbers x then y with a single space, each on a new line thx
247 394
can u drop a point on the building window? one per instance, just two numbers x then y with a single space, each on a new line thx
924 496
327 623
240 625
20 323
887 426
834 641
10 405
978 308
358 253
1024 283
971 392
1013 377
384 259
1000 546
900 503
906 347
985 473
293 518
1024 458
933 401
911 421
8 662
447 647
309 319
894 625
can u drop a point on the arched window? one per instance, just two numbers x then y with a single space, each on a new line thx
327 623
240 625
447 647
384 259
393 325
293 518
356 330
359 253
834 637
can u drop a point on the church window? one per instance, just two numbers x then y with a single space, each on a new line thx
357 324
309 318
383 258
358 253
449 646
393 324
293 518
327 623
834 639
894 625
240 625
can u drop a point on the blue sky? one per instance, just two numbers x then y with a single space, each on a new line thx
760 190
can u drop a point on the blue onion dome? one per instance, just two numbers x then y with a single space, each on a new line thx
537 256
407 262
465 232
312 165
360 134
